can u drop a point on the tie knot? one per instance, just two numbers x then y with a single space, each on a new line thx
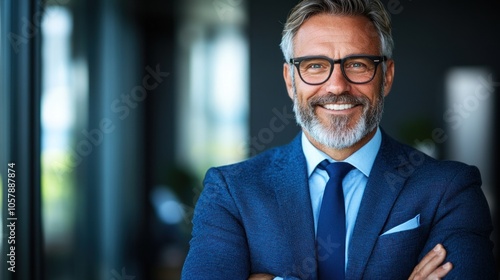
335 169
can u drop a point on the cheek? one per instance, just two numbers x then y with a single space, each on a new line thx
370 92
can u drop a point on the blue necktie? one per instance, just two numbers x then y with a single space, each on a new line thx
330 239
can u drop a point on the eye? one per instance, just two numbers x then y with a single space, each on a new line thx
355 65
315 65
358 65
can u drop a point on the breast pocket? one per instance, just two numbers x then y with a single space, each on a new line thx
396 254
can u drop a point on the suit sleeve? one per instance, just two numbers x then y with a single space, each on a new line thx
463 225
218 248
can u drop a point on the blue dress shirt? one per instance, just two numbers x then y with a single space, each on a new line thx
354 182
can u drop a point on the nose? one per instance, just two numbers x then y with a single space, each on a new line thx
337 83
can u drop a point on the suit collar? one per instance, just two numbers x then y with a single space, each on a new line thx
362 159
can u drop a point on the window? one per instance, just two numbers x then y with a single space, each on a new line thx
63 111
469 115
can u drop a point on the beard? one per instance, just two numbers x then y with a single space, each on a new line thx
337 133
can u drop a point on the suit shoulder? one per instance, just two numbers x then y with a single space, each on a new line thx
414 162
254 164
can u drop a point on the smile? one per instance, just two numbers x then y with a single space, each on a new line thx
338 107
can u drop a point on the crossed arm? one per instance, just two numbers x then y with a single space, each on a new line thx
430 267
462 226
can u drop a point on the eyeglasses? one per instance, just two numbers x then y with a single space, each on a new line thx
357 69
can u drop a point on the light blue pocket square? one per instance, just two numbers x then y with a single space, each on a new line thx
410 224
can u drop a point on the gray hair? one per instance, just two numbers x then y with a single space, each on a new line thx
372 9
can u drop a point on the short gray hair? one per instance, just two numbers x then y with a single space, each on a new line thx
372 9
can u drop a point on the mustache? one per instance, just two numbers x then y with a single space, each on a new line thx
338 98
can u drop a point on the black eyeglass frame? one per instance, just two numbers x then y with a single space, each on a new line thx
376 60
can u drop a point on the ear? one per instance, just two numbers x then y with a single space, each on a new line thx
389 77
288 79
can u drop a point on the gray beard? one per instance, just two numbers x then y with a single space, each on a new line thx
337 134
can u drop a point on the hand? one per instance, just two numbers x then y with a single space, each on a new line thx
261 276
430 266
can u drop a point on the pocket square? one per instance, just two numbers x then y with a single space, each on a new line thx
410 224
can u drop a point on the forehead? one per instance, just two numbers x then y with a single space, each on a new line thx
333 35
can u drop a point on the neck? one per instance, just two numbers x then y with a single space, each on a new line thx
340 155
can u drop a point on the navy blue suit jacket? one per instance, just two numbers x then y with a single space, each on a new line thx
256 217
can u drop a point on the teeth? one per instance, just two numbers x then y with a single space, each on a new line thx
338 107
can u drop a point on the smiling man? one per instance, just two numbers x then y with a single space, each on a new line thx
340 110
343 200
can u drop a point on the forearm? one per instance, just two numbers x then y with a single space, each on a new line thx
463 225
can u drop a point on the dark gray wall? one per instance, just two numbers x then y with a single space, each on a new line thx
268 96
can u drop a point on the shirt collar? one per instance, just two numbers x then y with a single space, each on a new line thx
362 159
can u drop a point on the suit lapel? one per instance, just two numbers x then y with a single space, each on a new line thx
295 210
382 190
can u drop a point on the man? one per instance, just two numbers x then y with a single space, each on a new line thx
406 215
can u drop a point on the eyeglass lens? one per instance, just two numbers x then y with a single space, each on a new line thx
318 70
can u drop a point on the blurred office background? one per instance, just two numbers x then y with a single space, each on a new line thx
113 110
